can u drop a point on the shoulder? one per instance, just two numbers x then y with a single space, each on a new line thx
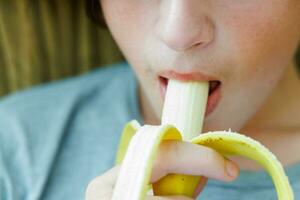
64 92
46 105
48 102
34 122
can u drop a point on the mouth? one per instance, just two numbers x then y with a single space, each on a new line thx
214 93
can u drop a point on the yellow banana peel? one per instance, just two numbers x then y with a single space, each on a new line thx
225 142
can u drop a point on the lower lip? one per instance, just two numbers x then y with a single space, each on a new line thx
212 100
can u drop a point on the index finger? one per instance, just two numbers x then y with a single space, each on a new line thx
192 159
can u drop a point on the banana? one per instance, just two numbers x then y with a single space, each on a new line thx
225 142
139 144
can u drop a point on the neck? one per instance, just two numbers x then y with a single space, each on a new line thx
276 124
281 108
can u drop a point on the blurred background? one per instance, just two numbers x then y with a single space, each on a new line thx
47 40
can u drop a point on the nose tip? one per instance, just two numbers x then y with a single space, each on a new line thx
184 26
184 39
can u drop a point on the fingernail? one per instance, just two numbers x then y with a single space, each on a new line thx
231 169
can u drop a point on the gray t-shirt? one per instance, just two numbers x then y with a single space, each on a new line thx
55 138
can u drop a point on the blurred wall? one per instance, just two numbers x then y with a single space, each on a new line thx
45 40
298 59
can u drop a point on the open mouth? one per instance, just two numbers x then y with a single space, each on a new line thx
213 85
214 93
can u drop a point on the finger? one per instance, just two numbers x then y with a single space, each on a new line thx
187 158
168 198
102 186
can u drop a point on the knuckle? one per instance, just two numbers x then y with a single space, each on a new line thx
164 158
165 150
211 156
208 150
174 153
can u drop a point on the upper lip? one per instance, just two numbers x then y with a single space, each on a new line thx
186 76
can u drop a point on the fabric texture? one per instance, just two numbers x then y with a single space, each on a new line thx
55 138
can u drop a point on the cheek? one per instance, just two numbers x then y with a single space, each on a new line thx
260 37
123 20
128 20
127 23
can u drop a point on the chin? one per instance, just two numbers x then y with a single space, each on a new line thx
226 117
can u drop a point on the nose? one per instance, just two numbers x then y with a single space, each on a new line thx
183 24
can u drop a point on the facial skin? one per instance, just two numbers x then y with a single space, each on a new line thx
247 45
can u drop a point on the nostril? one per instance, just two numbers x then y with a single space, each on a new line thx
199 44
186 32
181 42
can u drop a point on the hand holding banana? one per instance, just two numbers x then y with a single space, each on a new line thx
182 120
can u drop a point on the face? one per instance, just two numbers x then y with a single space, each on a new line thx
244 45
